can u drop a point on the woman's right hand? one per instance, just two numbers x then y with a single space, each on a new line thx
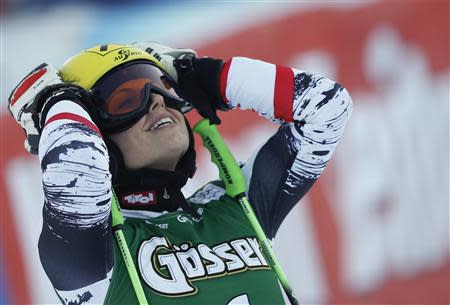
24 106
33 97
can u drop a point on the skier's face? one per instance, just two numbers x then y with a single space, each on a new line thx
158 140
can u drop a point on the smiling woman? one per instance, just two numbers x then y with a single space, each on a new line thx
158 140
142 115
108 123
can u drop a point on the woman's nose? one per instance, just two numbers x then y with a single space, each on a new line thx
157 102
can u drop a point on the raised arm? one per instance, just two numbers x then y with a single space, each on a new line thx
75 245
312 112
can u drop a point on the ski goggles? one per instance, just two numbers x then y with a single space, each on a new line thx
124 95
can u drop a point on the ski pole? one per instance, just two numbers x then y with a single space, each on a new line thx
117 223
232 176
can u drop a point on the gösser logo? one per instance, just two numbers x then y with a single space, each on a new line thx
171 269
142 198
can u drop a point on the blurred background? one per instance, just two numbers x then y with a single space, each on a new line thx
374 229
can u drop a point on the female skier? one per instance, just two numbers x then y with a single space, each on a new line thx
111 120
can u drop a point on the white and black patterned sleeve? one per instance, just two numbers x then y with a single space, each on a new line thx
75 245
312 111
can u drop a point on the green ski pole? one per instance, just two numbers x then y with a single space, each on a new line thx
232 176
117 222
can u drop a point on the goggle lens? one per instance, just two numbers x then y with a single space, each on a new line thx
124 95
126 98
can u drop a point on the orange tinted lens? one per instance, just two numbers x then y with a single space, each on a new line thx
127 97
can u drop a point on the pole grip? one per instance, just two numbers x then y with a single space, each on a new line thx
221 156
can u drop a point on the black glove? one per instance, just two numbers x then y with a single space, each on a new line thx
198 79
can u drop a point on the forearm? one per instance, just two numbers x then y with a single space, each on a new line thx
76 234
74 163
316 107
312 111
279 93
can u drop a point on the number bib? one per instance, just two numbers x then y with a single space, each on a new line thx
210 259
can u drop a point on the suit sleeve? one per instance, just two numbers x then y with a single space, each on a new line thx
312 112
75 245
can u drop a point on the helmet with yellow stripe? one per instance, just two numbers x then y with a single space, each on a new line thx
121 80
88 66
106 70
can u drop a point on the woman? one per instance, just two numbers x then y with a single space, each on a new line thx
112 118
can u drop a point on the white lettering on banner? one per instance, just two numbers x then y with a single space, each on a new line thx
177 283
217 266
192 263
232 261
169 269
392 166
246 252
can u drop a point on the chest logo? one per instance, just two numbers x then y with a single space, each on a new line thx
139 199
170 269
